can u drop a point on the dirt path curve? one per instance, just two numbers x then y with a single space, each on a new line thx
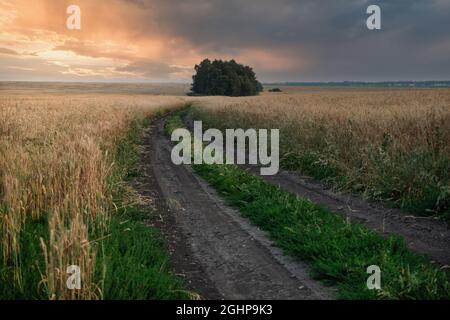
424 235
220 254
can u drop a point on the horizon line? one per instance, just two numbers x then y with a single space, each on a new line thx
189 83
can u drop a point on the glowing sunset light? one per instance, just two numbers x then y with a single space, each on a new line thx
162 40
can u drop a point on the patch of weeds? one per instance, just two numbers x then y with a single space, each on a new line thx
137 261
31 265
134 263
338 252
417 181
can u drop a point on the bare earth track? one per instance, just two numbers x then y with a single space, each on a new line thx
222 256
219 253
424 235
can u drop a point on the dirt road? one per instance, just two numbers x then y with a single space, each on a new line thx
222 256
219 253
425 235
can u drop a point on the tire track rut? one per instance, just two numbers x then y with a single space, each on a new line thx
427 236
219 252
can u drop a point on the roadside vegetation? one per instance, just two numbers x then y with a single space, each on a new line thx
135 255
64 200
391 145
338 252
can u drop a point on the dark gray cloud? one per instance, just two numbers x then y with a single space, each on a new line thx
283 40
331 36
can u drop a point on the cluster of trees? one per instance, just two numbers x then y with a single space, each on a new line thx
225 78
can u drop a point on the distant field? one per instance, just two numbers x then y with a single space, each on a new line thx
389 144
63 88
293 89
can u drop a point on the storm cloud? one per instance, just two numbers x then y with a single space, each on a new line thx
284 40
330 36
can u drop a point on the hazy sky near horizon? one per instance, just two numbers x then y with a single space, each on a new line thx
283 40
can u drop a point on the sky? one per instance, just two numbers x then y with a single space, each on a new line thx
283 40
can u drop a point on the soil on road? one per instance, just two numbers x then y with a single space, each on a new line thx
428 236
222 256
424 235
219 253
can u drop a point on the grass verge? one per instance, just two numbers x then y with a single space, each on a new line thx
132 261
32 265
338 252
135 255
350 155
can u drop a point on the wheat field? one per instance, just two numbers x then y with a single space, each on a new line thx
390 144
57 161
56 156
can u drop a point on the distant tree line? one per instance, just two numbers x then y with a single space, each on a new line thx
225 78
275 90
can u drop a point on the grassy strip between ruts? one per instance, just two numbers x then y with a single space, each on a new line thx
356 153
338 252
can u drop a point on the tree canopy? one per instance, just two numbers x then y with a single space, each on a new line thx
225 78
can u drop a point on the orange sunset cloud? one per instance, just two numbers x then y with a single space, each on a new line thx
162 40
36 44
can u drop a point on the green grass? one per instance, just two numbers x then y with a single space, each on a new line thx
133 261
137 261
417 181
175 121
135 254
338 252
32 264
